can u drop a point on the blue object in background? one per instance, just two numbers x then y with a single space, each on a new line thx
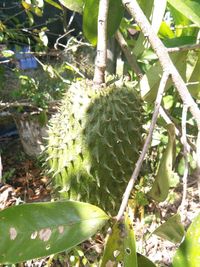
26 60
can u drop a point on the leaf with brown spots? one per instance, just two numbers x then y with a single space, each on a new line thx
40 229
120 246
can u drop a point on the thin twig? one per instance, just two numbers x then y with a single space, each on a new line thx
129 56
5 105
185 154
183 48
1 169
61 37
168 119
45 68
138 165
163 56
101 58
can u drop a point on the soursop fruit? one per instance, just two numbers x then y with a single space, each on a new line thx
93 143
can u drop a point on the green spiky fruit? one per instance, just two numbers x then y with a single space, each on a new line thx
94 142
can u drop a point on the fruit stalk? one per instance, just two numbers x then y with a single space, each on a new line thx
100 63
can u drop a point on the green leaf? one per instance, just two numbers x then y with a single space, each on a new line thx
36 230
190 9
120 245
188 254
26 5
144 262
172 229
165 31
168 101
150 81
179 41
7 53
90 18
160 188
142 41
194 81
38 11
76 5
53 3
30 17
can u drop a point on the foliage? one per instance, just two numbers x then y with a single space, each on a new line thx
178 27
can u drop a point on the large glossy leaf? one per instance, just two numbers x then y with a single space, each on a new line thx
190 9
160 187
90 17
188 254
172 229
120 245
35 230
74 5
144 262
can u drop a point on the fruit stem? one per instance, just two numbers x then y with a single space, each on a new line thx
101 57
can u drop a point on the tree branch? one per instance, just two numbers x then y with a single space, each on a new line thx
5 105
129 56
183 48
52 106
138 165
100 64
134 9
185 153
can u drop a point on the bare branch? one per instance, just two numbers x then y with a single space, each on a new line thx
129 56
101 58
183 48
138 165
163 56
52 106
185 153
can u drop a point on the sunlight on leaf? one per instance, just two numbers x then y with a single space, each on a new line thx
190 9
40 229
188 254
76 6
